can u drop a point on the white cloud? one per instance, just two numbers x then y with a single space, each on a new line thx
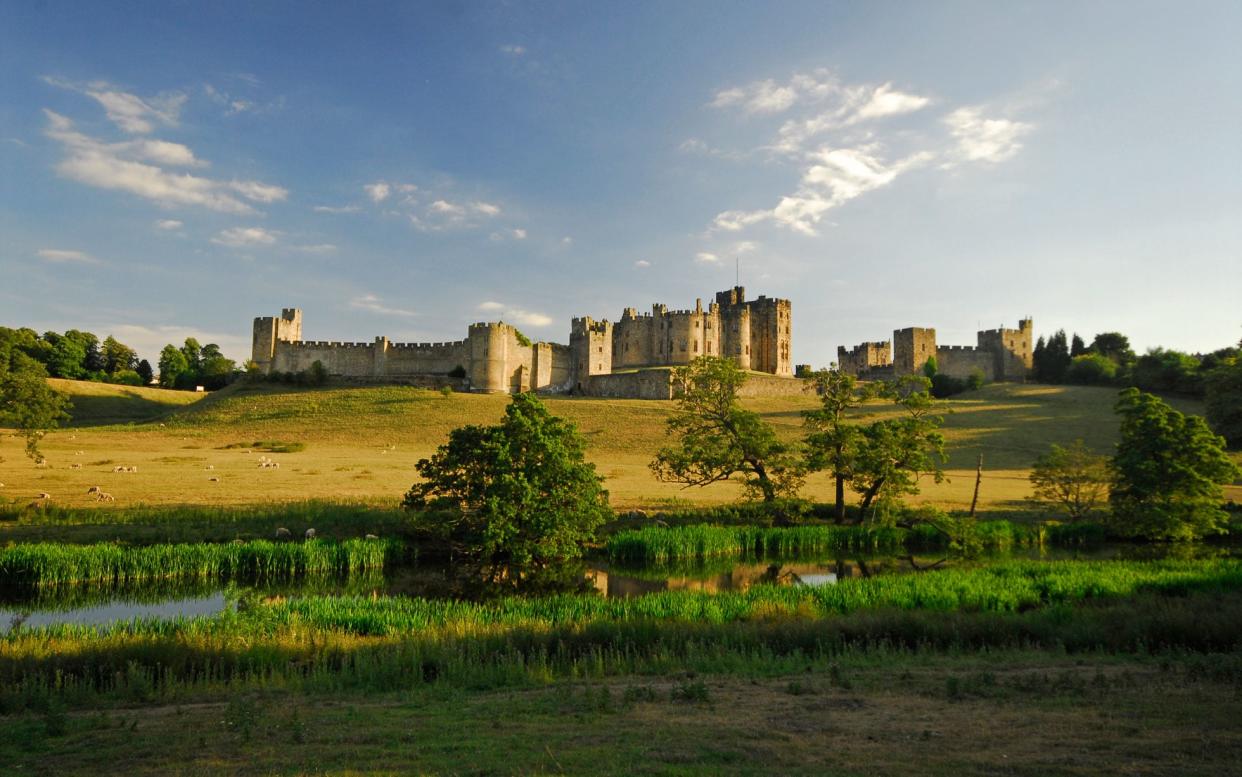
744 246
162 152
981 139
515 315
736 220
567 241
113 166
168 224
886 101
336 209
519 234
259 192
239 237
378 191
374 304
133 114
317 248
705 257
448 209
642 263
63 256
768 96
485 208
513 49
851 105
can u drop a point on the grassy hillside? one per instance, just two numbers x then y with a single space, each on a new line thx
362 443
96 404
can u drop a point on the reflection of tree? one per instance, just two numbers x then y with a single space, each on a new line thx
18 619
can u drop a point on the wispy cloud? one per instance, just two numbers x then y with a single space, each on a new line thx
374 304
336 209
513 49
127 167
64 256
168 224
706 257
243 237
515 315
133 114
315 248
837 137
642 263
981 139
378 191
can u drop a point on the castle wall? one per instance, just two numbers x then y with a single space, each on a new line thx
771 336
1013 349
959 361
657 384
864 357
911 348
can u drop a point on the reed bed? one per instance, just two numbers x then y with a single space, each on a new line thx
41 565
387 643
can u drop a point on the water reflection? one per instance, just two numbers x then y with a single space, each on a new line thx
118 610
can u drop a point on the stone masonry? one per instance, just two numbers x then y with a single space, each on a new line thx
999 354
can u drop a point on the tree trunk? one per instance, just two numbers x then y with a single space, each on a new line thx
870 495
840 499
978 477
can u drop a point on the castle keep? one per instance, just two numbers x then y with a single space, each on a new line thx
1000 354
627 358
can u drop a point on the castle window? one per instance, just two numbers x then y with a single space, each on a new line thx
696 346
748 350
601 349
696 324
709 347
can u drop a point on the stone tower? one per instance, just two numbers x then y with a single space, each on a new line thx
269 330
912 347
590 347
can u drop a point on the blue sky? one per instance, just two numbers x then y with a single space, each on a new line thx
407 168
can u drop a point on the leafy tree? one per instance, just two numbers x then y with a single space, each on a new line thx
145 372
117 356
1114 346
30 405
931 367
1167 372
1167 472
833 441
976 379
1091 369
1077 346
896 452
173 365
1073 478
68 358
1223 400
193 353
718 440
93 361
1051 363
518 493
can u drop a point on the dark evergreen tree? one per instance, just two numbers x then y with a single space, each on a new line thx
1077 346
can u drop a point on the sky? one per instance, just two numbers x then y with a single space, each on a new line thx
174 169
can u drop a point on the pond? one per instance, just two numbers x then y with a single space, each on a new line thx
94 605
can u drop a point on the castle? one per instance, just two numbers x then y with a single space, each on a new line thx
626 359
999 354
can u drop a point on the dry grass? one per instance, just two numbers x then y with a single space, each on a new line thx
362 443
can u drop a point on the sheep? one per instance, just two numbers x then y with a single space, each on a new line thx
118 468
44 495
310 534
372 537
80 453
75 466
283 534
132 469
213 480
94 490
103 497
211 466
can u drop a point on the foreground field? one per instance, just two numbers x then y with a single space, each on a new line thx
1019 713
361 444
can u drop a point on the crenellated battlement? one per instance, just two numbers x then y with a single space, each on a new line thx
999 354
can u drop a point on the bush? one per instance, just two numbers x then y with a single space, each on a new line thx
1091 369
976 379
943 385
125 378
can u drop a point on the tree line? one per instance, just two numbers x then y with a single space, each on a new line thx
1109 360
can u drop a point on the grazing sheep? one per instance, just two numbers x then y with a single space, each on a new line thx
310 534
211 466
44 495
118 468
213 480
94 490
372 537
75 466
283 534
106 497
80 453
133 468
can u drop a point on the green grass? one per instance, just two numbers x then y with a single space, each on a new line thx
55 564
98 404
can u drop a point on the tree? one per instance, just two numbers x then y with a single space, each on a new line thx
833 441
68 358
1167 372
1053 360
1223 401
896 452
193 353
1077 346
718 440
518 493
172 366
117 356
1073 478
930 367
145 372
1114 346
30 405
1167 472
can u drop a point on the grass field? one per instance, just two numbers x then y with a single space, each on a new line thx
361 444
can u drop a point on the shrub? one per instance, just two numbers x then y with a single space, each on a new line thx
1091 369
